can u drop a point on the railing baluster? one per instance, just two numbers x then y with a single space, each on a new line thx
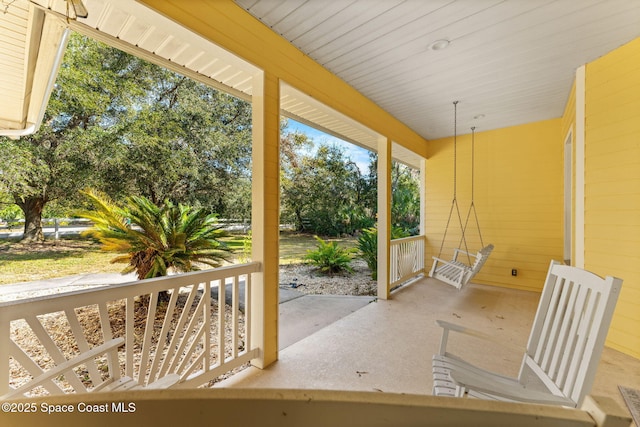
197 335
53 350
113 364
105 322
235 310
148 333
247 312
221 320
168 361
83 345
32 367
191 330
183 345
407 259
130 336
5 339
162 338
208 326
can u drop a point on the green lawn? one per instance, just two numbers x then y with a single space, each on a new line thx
67 257
294 246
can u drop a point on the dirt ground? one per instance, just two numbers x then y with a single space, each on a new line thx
307 279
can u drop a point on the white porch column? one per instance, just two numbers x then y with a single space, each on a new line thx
265 216
423 211
384 215
423 196
580 168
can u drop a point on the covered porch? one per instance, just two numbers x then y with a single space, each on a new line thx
387 345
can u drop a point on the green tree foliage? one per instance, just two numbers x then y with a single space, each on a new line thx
124 126
405 198
325 192
191 143
9 211
93 93
155 239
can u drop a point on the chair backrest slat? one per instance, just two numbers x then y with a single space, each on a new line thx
481 258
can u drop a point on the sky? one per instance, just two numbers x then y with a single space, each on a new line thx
358 155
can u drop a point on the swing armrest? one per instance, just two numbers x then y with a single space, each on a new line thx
457 251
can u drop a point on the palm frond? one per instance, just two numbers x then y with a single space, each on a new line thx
155 238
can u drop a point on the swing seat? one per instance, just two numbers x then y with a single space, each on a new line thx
456 273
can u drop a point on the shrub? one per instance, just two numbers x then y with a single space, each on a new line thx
154 239
368 246
331 258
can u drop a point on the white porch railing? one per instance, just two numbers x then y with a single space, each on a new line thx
407 259
191 333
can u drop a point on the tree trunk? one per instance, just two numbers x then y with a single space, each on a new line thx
32 209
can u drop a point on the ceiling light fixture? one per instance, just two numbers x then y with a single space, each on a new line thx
439 44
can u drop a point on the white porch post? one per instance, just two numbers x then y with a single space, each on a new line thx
423 211
265 216
423 195
580 168
384 215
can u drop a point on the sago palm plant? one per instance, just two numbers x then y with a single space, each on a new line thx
155 239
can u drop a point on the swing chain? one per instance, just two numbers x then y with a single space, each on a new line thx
454 203
455 148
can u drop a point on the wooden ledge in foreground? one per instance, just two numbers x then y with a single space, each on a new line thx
273 407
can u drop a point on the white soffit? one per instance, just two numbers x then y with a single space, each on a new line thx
31 48
303 108
136 29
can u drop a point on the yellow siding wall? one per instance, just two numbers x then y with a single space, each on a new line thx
612 184
518 197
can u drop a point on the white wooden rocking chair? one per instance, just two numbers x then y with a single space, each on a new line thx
457 273
563 351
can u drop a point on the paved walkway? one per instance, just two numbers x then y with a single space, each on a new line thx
300 315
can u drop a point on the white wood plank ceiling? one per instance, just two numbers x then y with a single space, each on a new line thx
508 62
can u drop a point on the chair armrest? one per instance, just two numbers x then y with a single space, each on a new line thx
448 326
510 390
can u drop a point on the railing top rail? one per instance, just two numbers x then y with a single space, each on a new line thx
18 309
409 239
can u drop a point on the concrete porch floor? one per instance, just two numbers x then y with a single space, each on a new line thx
387 346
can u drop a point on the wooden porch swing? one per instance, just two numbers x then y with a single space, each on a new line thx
455 272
